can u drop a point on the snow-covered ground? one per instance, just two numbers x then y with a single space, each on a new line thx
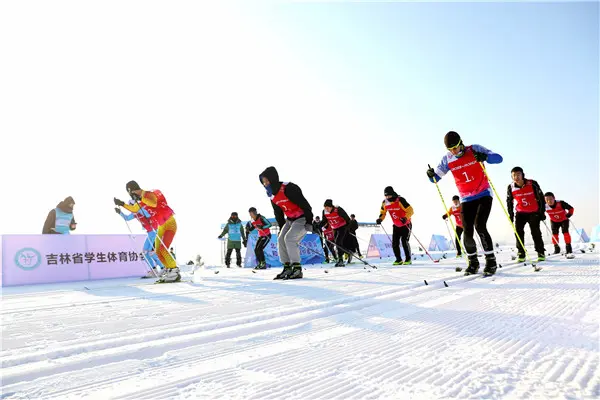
352 333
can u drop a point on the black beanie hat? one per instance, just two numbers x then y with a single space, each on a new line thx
455 198
328 203
452 139
549 194
389 191
252 210
234 214
518 169
131 186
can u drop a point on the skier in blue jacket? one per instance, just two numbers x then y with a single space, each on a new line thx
234 230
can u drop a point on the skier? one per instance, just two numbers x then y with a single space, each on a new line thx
60 219
455 210
150 227
262 225
352 239
337 218
155 203
294 217
401 213
236 235
530 206
559 212
475 195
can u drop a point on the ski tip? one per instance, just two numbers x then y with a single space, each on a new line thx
86 288
253 271
426 284
326 271
216 272
500 265
445 284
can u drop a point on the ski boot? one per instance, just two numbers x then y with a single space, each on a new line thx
473 265
398 262
172 275
326 261
569 251
459 256
340 263
556 249
287 271
521 258
407 262
490 265
541 257
261 265
296 272
349 259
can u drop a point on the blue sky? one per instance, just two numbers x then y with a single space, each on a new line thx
197 98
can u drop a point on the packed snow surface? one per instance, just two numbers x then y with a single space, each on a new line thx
351 333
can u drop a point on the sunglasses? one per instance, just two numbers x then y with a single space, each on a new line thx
456 147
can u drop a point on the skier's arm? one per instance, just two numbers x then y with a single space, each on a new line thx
266 223
73 224
539 196
249 227
127 217
225 230
344 215
243 232
279 215
49 223
445 216
509 203
568 207
294 193
382 211
407 207
441 170
492 158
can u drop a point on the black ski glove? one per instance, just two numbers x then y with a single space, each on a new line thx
431 173
480 156
542 216
569 215
245 242
118 202
118 210
378 221
403 220
445 216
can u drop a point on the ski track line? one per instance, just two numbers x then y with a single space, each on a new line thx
288 366
235 320
313 311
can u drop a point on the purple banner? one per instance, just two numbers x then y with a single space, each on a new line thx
31 259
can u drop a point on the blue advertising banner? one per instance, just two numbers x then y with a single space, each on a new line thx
311 251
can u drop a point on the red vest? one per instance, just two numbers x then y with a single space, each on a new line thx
525 198
468 174
257 223
150 224
335 220
456 212
162 212
291 210
328 232
558 213
396 212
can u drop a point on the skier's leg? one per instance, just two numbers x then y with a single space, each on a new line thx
536 234
238 256
228 256
396 243
405 237
293 238
468 215
281 246
459 231
520 221
166 233
481 218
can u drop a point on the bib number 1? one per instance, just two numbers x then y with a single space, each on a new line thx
467 178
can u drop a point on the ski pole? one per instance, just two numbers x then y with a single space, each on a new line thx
506 213
358 237
549 233
424 249
450 234
578 232
349 252
437 186
134 248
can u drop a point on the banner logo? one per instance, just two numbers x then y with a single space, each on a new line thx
28 259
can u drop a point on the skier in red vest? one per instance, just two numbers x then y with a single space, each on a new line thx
530 207
337 218
154 202
294 217
455 210
263 227
559 212
401 213
475 195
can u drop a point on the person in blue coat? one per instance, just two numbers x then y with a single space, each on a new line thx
234 230
143 216
60 219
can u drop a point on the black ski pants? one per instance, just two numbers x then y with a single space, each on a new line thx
475 214
401 234
533 219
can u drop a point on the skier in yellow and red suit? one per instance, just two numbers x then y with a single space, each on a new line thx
155 203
